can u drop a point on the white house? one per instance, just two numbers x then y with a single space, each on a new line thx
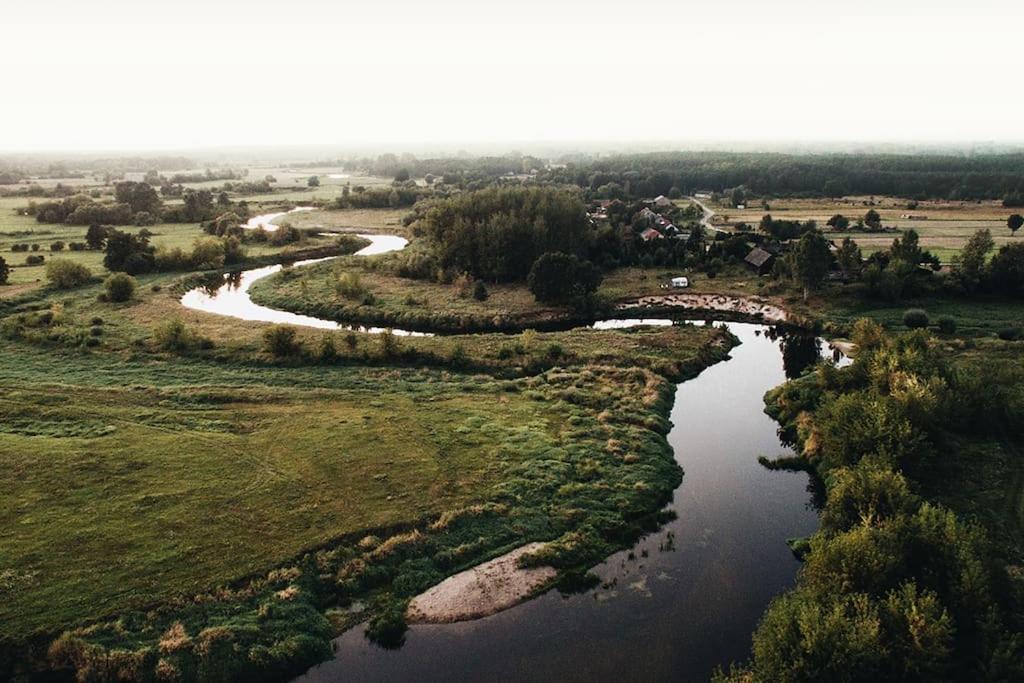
680 282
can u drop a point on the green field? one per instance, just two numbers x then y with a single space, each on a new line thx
190 484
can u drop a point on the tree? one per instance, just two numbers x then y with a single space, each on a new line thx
811 259
5 271
402 175
313 181
849 257
1014 223
738 196
1007 268
558 278
138 196
970 264
839 222
128 253
65 274
872 219
95 236
119 287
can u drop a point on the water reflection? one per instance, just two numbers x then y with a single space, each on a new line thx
685 599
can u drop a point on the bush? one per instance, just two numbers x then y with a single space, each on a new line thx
480 292
327 351
65 274
351 287
34 259
57 246
915 318
1010 333
207 253
77 246
119 287
5 271
173 335
280 341
947 324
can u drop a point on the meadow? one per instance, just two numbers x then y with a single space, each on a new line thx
944 226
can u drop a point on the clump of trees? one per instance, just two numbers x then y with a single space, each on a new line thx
559 278
5 271
496 234
894 587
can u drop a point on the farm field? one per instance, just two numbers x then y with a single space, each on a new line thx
944 226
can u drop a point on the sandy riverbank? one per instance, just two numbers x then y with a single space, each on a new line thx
483 590
751 306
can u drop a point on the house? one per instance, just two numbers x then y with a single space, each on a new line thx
662 202
760 260
648 215
702 195
680 282
651 234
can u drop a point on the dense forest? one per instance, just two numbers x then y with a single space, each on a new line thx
922 176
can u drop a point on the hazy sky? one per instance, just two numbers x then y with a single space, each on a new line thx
95 74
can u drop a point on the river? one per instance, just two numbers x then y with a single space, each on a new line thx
683 600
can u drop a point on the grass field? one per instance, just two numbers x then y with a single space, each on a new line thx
370 220
189 484
944 226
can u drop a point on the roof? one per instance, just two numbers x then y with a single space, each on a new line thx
651 234
758 257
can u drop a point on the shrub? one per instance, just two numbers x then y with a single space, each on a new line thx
65 274
34 259
327 351
947 324
35 247
77 246
351 339
279 340
351 287
207 253
173 335
57 246
915 318
1010 333
119 287
480 292
5 271
388 343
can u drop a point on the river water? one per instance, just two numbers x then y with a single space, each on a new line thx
683 600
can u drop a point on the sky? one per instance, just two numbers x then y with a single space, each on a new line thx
134 75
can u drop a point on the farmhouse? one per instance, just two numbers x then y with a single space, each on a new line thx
662 202
760 260
651 234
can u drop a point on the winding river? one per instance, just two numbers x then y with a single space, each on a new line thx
683 600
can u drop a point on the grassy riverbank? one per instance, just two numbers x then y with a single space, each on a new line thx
251 498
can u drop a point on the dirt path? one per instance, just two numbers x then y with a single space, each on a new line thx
483 590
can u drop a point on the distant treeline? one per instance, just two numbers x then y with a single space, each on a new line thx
630 176
988 176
